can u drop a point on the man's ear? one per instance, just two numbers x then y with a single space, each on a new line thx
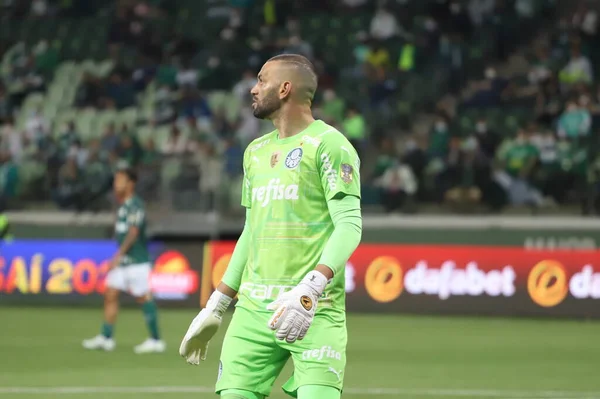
285 90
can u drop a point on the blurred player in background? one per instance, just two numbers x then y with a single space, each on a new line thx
129 269
301 192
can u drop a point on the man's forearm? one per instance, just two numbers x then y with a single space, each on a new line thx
346 235
230 283
129 241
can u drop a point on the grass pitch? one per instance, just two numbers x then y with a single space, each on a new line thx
389 356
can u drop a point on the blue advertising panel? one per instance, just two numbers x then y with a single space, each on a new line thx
73 269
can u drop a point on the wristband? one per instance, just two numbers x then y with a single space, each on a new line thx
315 280
218 303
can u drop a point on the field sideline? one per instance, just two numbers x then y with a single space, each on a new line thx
389 357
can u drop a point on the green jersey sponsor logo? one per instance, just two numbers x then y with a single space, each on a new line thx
274 191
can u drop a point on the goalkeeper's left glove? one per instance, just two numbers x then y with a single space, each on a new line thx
204 326
295 310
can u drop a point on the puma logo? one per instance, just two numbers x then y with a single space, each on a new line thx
338 374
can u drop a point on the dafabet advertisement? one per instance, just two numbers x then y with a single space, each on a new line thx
456 279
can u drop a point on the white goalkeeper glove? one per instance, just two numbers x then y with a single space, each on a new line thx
295 310
204 326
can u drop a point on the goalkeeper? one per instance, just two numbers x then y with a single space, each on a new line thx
301 192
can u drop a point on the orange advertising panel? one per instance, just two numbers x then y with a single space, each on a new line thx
456 279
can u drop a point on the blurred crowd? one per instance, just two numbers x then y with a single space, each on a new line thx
506 120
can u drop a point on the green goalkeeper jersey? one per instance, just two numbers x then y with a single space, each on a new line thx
131 214
287 183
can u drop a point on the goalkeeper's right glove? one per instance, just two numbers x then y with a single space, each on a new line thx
204 326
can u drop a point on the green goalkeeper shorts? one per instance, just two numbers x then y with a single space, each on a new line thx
252 358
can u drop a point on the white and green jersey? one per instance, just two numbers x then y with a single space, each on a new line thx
131 214
287 183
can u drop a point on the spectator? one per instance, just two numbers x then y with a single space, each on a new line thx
248 127
37 127
5 105
243 87
193 105
578 70
296 45
384 25
129 150
9 179
378 56
164 106
149 178
541 69
575 122
486 93
12 141
70 191
97 179
452 52
398 186
89 91
39 8
459 21
585 19
67 137
79 154
548 102
355 128
187 76
143 75
380 90
554 175
46 58
463 174
210 166
385 159
176 144
110 140
518 158
333 107
439 139
480 11
119 92
487 141
525 9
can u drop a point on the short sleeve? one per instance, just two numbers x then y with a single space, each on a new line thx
339 166
136 216
246 190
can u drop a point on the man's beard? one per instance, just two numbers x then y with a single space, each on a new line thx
267 107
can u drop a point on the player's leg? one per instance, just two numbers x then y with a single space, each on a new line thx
240 394
320 358
115 282
318 392
250 360
138 281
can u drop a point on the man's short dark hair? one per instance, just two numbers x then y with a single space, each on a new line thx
306 70
130 173
296 59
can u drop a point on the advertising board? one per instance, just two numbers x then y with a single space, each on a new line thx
457 279
73 271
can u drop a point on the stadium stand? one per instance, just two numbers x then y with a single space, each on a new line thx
478 105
